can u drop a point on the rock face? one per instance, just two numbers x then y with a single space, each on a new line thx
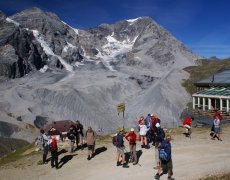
84 74
18 53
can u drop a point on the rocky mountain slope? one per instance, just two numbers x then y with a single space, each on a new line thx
69 73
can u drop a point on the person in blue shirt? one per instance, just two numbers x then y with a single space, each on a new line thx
120 148
166 162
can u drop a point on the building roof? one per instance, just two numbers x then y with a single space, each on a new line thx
214 92
221 78
61 126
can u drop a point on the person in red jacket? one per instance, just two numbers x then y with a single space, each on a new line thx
188 125
131 137
54 153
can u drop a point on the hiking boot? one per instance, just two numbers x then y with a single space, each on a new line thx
157 176
125 166
170 178
135 163
142 146
118 163
88 158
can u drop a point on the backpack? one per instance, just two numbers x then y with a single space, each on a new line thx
148 122
52 145
115 141
163 153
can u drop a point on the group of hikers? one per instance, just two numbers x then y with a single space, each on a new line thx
75 136
215 128
150 133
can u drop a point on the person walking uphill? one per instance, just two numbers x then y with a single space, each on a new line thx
90 140
165 159
54 153
131 137
216 128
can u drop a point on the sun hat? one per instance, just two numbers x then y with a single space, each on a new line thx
132 129
157 125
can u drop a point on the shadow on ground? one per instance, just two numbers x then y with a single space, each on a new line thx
100 150
65 159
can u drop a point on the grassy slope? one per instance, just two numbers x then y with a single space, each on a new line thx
8 145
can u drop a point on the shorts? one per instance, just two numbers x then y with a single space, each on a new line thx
120 150
166 165
90 147
216 129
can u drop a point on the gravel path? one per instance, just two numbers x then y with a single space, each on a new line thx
193 158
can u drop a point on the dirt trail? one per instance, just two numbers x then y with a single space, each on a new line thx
192 158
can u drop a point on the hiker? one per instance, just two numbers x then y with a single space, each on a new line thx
72 133
119 143
54 153
45 143
154 120
160 135
216 128
148 121
165 159
90 140
140 121
131 138
143 130
188 126
219 116
80 135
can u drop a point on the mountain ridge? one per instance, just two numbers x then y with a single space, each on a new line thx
75 74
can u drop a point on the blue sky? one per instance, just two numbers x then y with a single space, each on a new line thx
202 25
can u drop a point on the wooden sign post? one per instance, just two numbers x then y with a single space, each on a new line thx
121 108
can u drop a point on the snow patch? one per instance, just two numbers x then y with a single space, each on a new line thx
114 48
131 21
49 51
74 29
44 69
69 45
78 64
12 21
